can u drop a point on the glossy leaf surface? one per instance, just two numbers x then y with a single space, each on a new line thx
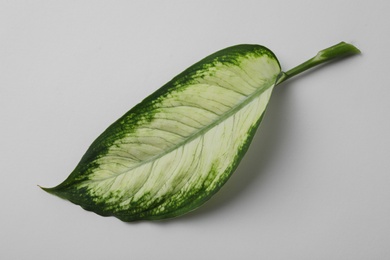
174 150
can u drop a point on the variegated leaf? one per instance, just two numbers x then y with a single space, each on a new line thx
174 150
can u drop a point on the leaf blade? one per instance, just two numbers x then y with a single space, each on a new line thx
174 150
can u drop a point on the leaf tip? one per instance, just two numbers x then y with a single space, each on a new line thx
48 190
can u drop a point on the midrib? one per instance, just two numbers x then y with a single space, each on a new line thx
256 94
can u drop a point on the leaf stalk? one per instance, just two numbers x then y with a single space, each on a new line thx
338 51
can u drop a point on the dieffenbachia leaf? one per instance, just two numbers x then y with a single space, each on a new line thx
174 150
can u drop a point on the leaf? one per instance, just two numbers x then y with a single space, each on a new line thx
174 150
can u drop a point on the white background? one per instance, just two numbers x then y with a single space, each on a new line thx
315 183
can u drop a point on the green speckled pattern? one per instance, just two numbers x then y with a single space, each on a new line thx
174 150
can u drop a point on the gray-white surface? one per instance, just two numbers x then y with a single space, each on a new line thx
315 183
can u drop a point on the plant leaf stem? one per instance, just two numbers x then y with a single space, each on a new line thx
337 51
